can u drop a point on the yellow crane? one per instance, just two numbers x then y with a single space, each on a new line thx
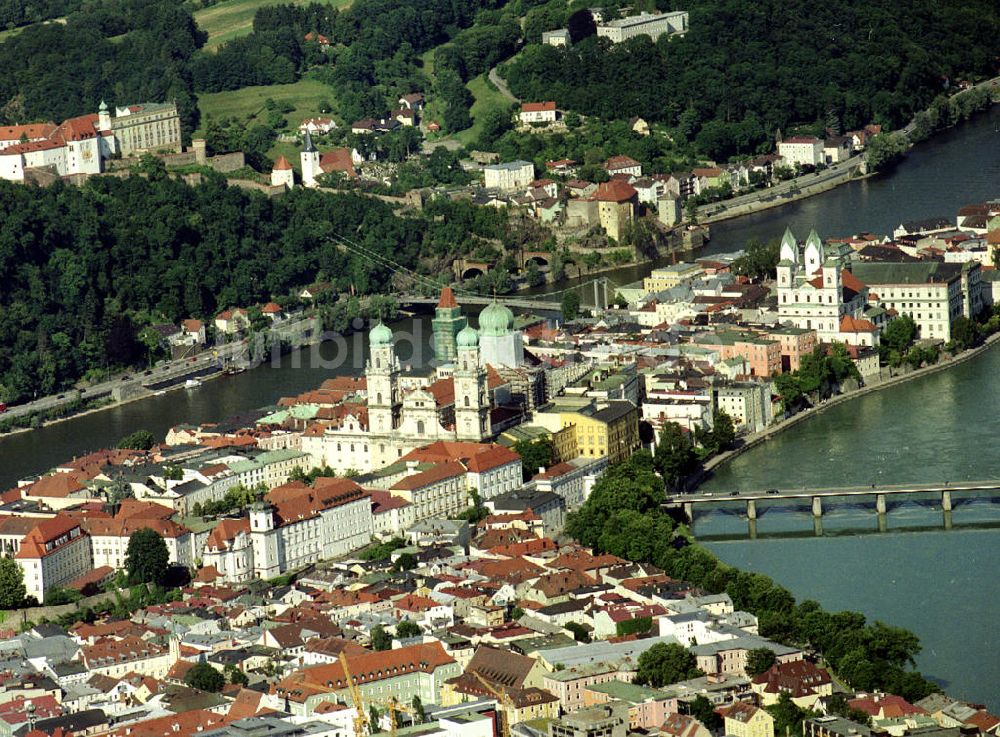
503 699
394 708
361 722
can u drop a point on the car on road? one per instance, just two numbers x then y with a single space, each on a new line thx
147 373
61 396
3 406
773 491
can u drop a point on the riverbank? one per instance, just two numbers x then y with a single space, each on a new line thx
809 190
205 367
782 426
800 188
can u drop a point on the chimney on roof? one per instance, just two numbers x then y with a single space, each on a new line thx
411 467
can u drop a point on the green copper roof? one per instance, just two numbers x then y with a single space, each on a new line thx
467 337
495 320
788 239
380 335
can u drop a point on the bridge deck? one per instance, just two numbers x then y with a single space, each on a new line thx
833 491
530 304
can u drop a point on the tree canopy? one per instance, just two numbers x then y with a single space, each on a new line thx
759 660
146 558
205 678
745 71
408 628
535 454
665 663
12 590
84 268
138 440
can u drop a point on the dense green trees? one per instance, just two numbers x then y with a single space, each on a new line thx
205 678
746 70
622 515
380 639
884 150
675 455
12 589
407 628
666 663
570 306
146 558
759 660
820 373
14 13
535 454
759 260
138 440
121 51
85 267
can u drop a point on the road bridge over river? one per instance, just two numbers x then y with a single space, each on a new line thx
881 498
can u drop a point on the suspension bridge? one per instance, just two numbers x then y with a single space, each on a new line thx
423 290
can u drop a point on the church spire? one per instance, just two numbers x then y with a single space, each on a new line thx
307 143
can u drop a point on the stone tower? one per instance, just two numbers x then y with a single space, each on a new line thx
447 323
264 541
282 174
382 372
103 117
472 404
309 158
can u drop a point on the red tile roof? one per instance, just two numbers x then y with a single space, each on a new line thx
616 190
338 160
447 298
538 107
620 162
183 723
366 668
440 472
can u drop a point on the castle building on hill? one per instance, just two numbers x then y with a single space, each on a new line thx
81 145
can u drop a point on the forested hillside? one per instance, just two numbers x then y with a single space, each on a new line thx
122 51
747 69
84 268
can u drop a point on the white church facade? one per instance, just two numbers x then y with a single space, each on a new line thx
816 292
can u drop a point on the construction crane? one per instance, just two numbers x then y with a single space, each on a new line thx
394 708
503 699
361 722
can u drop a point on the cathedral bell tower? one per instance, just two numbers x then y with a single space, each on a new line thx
472 403
382 373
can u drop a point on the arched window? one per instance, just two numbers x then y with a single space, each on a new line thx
378 398
378 363
420 427
466 401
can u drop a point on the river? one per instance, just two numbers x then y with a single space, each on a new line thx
940 584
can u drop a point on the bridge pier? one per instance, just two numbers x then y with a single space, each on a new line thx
817 506
947 519
751 509
882 524
689 512
946 501
880 506
818 526
752 528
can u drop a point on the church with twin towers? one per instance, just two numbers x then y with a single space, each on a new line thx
402 411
